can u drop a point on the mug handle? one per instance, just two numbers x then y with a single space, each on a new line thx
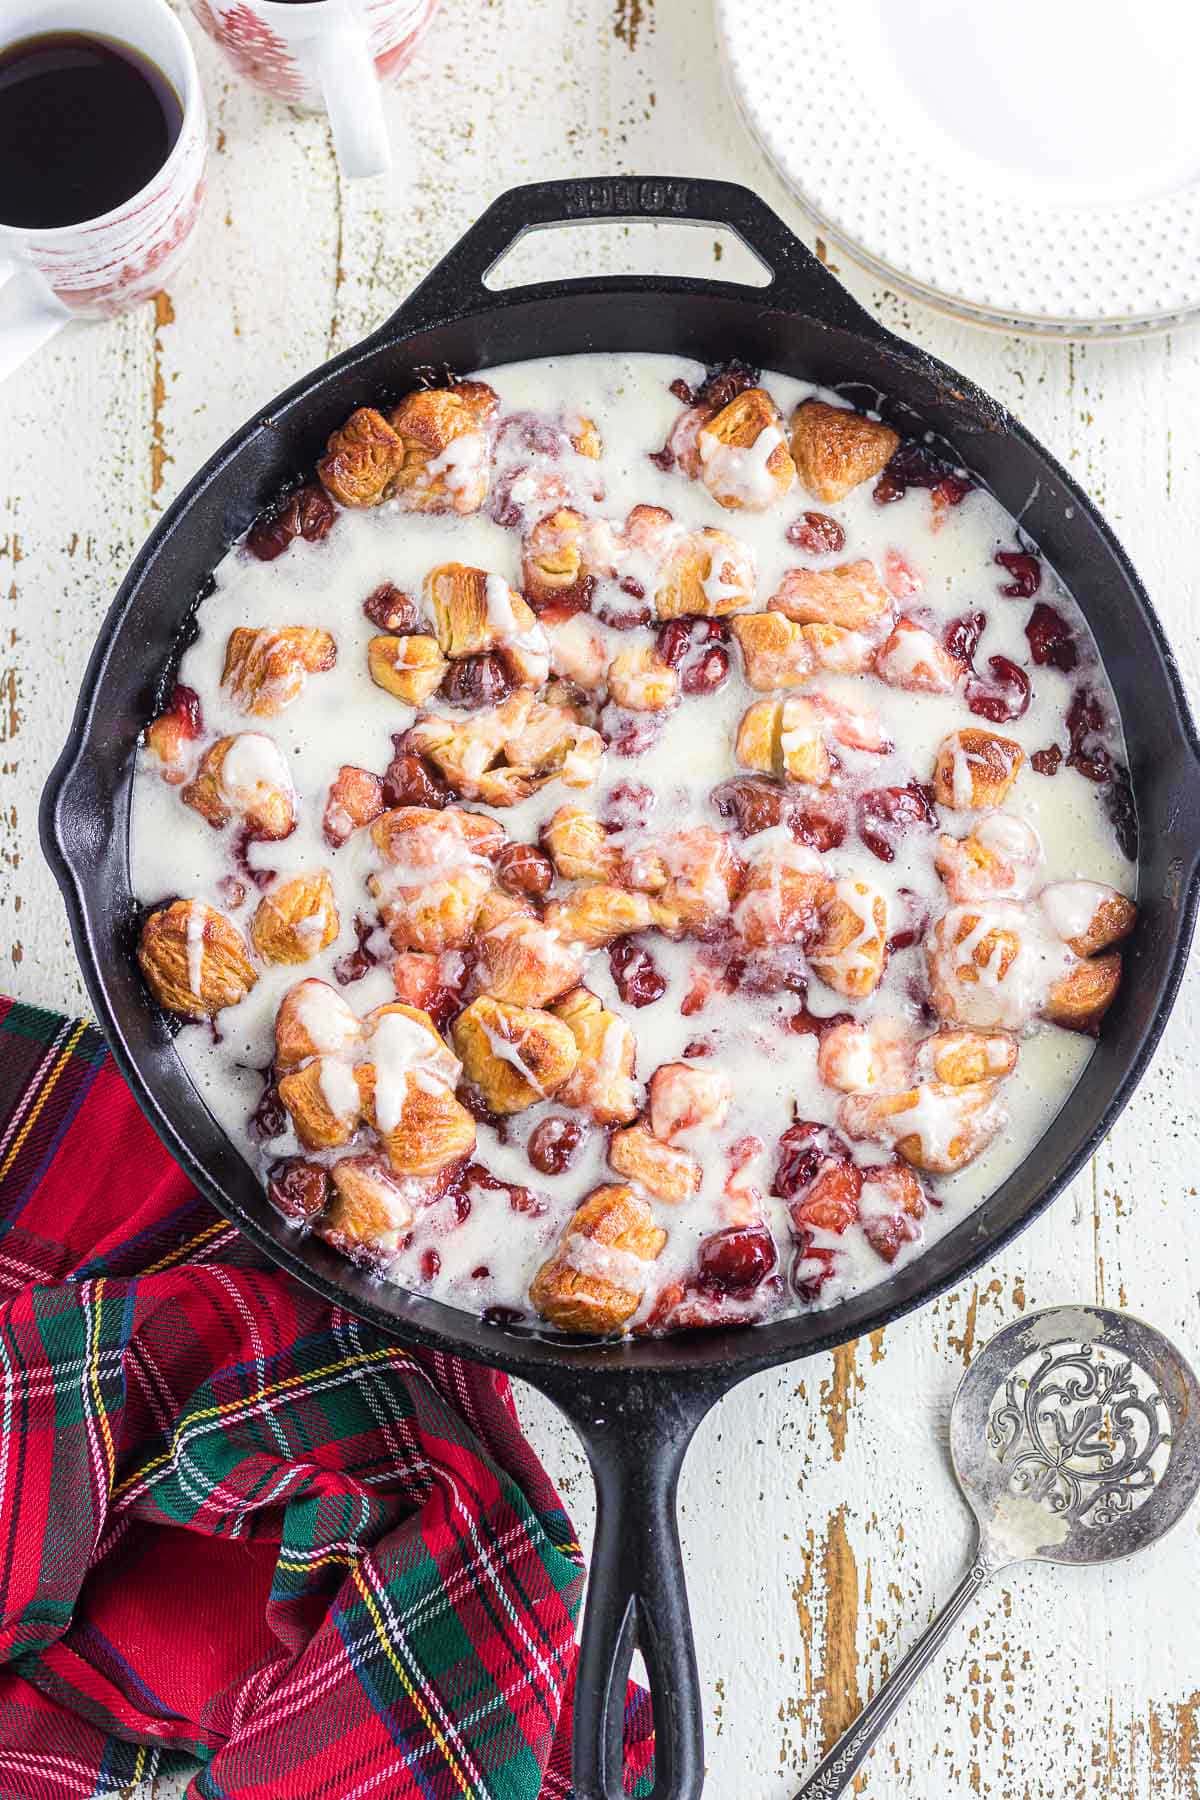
345 72
31 313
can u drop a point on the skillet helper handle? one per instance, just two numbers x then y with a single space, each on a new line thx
455 287
836 1773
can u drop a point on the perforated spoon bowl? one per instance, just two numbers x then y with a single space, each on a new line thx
1075 1437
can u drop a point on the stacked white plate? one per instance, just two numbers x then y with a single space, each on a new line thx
1028 164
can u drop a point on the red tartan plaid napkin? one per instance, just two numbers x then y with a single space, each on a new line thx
238 1528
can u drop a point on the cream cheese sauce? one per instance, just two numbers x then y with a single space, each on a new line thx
488 1257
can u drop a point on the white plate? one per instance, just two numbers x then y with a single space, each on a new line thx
1028 163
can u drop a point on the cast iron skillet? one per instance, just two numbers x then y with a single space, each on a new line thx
635 1405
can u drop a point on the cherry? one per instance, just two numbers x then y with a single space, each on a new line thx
638 979
810 1024
663 459
269 1118
354 965
916 916
1026 572
723 382
1004 697
630 734
308 513
299 1190
626 618
819 822
917 466
673 641
707 674
1086 722
475 682
1047 762
738 1259
1050 639
757 804
630 804
553 1143
817 533
409 781
807 1286
885 814
682 392
520 869
392 611
962 636
431 1264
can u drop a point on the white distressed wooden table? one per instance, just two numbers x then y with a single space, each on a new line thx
819 1518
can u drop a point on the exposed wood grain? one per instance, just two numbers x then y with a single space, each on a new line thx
820 1522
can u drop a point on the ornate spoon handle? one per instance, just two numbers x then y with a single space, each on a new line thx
838 1769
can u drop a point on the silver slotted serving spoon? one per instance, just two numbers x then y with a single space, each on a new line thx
1075 1437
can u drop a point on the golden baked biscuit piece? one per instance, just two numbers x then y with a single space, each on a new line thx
436 872
663 1170
315 1020
244 777
579 846
775 651
866 1056
913 659
1079 999
425 1132
997 860
445 434
361 460
410 668
837 651
849 950
975 769
704 574
1087 915
596 914
964 1057
296 920
782 891
851 596
355 799
369 1211
523 961
595 1279
640 680
553 564
602 1084
702 876
834 449
503 755
195 960
683 1097
515 1055
933 1126
475 612
266 670
322 1098
743 453
785 737
171 736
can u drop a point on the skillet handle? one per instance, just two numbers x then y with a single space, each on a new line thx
636 1431
454 287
